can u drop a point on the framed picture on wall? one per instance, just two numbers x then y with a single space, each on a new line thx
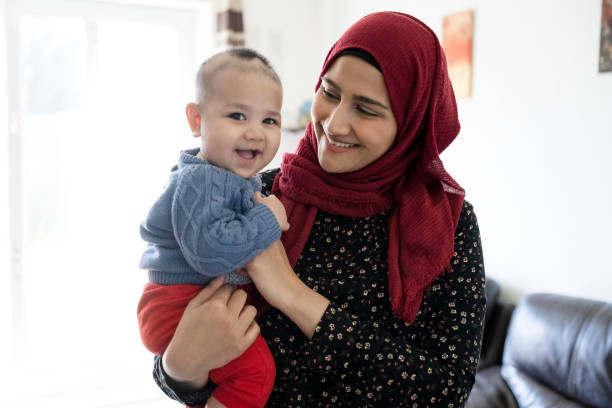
457 38
605 47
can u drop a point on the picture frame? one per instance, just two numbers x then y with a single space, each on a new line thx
605 45
457 41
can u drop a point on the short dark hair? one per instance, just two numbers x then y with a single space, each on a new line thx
248 54
231 58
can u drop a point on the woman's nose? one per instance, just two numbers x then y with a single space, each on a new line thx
338 121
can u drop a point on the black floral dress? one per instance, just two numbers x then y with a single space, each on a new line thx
360 354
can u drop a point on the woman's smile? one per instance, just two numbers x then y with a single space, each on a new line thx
335 143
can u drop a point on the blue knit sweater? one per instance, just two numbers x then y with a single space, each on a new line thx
205 224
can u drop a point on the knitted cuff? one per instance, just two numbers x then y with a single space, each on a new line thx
267 222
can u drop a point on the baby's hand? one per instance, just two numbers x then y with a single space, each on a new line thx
276 207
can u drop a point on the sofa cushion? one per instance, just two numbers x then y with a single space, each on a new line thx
564 344
531 394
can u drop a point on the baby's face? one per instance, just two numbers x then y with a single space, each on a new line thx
241 121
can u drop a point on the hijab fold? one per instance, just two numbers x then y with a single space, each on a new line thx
409 180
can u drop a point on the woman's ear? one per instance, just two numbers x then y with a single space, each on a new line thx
194 118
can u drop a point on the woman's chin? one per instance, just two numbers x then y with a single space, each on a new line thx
330 161
333 165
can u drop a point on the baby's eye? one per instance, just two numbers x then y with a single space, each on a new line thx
270 121
237 116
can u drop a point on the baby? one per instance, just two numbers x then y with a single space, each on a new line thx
208 222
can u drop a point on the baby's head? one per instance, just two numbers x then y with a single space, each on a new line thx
237 114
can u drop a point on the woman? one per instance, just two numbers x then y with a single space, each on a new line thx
377 289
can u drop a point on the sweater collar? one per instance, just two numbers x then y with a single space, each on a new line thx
189 157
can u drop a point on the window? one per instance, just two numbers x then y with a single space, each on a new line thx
96 96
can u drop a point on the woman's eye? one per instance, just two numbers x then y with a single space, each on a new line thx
366 112
329 94
269 121
237 116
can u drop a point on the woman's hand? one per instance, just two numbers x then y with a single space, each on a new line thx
275 279
216 327
275 205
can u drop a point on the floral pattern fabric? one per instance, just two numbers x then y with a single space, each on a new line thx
360 354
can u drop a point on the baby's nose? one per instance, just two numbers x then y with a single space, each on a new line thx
254 133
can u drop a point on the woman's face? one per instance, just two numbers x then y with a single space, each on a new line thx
351 116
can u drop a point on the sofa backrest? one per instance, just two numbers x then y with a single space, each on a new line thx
564 344
497 318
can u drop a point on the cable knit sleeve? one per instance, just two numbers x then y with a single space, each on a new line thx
215 221
429 363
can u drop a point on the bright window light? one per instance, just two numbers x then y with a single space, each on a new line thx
101 106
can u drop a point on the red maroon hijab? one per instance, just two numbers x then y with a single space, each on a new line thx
409 180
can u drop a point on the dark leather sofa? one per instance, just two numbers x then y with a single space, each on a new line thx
548 351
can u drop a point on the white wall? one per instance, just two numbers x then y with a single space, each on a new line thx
536 138
285 33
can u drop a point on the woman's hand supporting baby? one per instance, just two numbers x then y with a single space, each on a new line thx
216 327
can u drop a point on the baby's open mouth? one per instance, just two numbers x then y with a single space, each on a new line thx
247 153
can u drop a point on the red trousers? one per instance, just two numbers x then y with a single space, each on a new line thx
246 381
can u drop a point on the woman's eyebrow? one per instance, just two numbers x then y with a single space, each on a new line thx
370 101
360 98
332 83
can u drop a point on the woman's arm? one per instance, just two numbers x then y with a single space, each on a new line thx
280 286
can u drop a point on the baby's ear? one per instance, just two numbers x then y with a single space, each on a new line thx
194 118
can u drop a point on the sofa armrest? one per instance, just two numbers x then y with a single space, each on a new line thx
490 391
564 344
